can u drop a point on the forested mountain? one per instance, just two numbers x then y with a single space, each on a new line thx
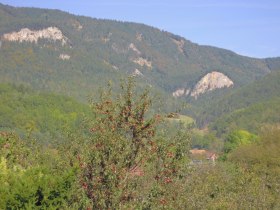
249 108
134 146
252 118
44 116
55 51
73 55
239 100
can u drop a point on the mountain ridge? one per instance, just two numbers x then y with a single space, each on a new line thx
101 50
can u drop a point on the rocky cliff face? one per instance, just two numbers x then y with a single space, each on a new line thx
180 44
211 81
181 92
64 57
143 62
27 35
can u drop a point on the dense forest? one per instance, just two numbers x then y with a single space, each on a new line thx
101 50
43 115
88 120
248 107
120 155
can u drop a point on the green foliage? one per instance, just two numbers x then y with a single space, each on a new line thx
186 121
206 140
262 159
245 108
126 164
265 151
273 63
132 159
129 161
238 138
31 179
100 46
227 186
251 118
45 116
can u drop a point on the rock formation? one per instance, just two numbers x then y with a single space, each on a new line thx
211 81
27 35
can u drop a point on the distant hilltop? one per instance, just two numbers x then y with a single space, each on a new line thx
57 51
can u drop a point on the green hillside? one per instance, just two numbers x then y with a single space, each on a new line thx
259 91
101 50
94 51
248 107
183 119
124 151
43 115
252 118
129 161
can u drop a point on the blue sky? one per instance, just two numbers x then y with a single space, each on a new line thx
248 27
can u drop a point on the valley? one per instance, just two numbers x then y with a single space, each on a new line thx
105 114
